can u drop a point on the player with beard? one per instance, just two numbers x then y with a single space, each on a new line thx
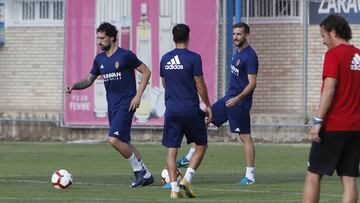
116 66
236 104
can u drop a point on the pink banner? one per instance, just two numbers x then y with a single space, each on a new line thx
79 52
148 35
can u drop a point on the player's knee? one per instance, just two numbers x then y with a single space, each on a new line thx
205 147
113 141
201 148
347 180
245 138
313 177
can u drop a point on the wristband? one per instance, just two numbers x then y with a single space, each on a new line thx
317 121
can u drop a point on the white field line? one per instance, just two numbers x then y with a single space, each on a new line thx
132 199
204 189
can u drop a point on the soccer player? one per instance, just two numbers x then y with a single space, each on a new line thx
335 133
182 77
236 104
116 66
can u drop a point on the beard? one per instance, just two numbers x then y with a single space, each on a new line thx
239 43
104 48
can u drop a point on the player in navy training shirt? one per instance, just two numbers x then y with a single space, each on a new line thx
116 66
236 104
182 77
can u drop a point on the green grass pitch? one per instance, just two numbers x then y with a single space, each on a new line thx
101 175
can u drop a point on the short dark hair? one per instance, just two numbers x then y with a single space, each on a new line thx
339 24
180 33
244 26
109 29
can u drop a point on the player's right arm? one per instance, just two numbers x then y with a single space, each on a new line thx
87 82
326 99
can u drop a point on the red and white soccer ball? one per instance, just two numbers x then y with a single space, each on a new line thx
165 175
61 179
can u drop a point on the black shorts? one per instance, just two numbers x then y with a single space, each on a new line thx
193 127
337 150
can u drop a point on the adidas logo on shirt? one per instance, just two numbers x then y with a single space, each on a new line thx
101 67
174 63
355 63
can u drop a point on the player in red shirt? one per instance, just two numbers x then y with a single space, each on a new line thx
335 133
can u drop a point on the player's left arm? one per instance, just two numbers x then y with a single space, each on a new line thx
247 90
326 99
145 77
163 81
202 89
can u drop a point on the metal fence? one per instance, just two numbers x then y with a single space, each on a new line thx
285 35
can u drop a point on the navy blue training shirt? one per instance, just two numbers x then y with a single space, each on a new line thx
243 63
178 67
119 76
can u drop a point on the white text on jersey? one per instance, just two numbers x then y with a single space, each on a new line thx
234 70
112 76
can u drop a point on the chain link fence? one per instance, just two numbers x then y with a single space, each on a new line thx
285 35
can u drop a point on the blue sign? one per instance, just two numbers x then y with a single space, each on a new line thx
349 9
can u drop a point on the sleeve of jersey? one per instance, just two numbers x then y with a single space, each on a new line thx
331 65
197 71
133 60
252 64
95 68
